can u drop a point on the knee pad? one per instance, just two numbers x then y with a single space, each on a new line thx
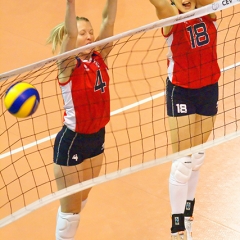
197 160
67 224
181 169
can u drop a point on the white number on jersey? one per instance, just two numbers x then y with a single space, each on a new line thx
181 108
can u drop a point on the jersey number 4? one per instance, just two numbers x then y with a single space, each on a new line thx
198 35
99 84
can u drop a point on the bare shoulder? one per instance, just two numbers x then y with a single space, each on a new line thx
202 3
174 12
213 16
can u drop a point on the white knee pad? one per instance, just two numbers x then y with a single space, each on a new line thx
67 224
181 169
197 160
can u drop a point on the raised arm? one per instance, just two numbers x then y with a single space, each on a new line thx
107 25
70 24
69 41
164 9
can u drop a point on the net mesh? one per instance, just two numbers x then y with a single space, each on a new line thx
137 136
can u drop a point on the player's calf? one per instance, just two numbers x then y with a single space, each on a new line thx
180 174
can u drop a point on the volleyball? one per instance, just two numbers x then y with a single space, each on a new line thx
21 99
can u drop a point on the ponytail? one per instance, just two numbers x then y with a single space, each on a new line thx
56 36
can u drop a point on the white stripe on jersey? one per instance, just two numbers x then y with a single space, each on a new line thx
59 145
170 58
70 117
70 147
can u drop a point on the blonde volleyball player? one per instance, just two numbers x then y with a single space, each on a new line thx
192 96
84 81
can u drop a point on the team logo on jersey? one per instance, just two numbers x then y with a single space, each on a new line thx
86 67
97 64
75 157
102 147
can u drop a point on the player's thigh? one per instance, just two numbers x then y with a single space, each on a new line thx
202 128
66 175
181 131
91 167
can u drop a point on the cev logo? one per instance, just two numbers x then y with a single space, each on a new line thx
215 6
226 2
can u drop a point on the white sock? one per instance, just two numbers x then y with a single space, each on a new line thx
192 185
178 195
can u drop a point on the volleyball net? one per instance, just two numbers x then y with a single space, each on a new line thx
137 136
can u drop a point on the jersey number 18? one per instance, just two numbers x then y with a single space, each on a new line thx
198 35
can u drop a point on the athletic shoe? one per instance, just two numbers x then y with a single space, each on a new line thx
179 236
188 225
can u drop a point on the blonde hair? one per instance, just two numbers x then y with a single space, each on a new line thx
57 34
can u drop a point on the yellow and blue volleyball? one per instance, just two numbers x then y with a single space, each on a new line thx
21 99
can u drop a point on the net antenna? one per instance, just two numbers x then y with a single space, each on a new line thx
137 136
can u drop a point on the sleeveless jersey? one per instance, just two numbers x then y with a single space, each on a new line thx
86 96
192 57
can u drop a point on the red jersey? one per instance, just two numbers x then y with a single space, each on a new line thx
86 96
192 56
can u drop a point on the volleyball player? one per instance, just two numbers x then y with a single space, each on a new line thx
192 96
84 82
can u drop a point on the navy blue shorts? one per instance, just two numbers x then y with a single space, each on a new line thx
71 148
183 101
